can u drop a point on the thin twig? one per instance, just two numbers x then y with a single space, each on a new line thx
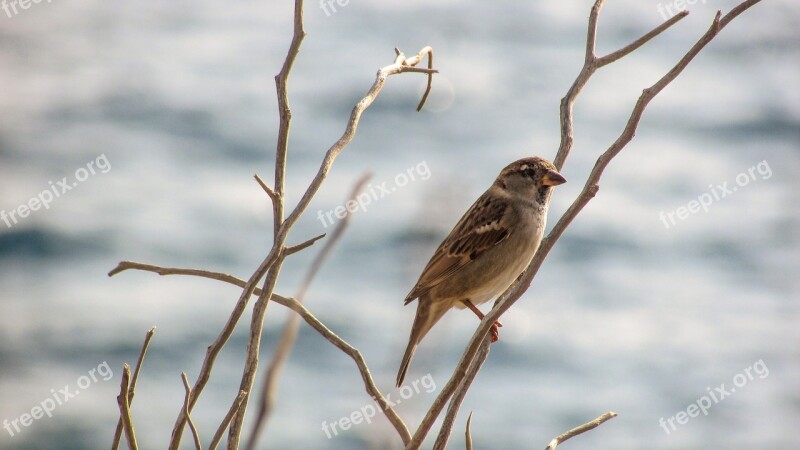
188 390
302 246
227 421
580 430
125 408
289 335
468 432
274 198
430 81
310 319
633 46
132 387
270 193
515 291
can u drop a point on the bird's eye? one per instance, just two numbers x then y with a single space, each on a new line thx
528 173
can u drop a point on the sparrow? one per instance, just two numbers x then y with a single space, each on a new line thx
487 250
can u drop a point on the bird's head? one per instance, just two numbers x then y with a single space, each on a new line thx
530 178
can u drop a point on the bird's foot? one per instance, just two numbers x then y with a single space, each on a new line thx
495 332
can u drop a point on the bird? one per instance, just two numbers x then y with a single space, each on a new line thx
486 251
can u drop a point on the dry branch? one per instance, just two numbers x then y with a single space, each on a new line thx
132 387
227 420
310 319
515 291
273 261
289 335
125 408
401 64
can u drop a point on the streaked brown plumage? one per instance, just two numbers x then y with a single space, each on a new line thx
488 248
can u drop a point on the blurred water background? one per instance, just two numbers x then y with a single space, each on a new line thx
626 314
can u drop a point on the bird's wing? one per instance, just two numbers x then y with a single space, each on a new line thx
482 227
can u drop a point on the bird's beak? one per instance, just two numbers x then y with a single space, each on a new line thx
553 178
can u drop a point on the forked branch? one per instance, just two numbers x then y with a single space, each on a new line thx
464 367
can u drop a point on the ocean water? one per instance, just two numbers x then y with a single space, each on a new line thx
159 113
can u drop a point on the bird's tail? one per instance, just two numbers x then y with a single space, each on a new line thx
428 313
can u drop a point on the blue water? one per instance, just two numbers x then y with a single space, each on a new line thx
173 105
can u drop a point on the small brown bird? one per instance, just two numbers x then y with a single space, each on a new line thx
487 249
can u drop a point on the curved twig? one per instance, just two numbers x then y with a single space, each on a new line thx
468 432
580 430
430 81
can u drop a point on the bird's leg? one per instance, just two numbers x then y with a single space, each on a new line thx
495 325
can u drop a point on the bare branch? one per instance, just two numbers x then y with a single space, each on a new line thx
400 65
460 393
253 350
270 267
590 65
132 387
309 318
285 112
125 408
515 291
580 430
227 421
289 335
188 390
